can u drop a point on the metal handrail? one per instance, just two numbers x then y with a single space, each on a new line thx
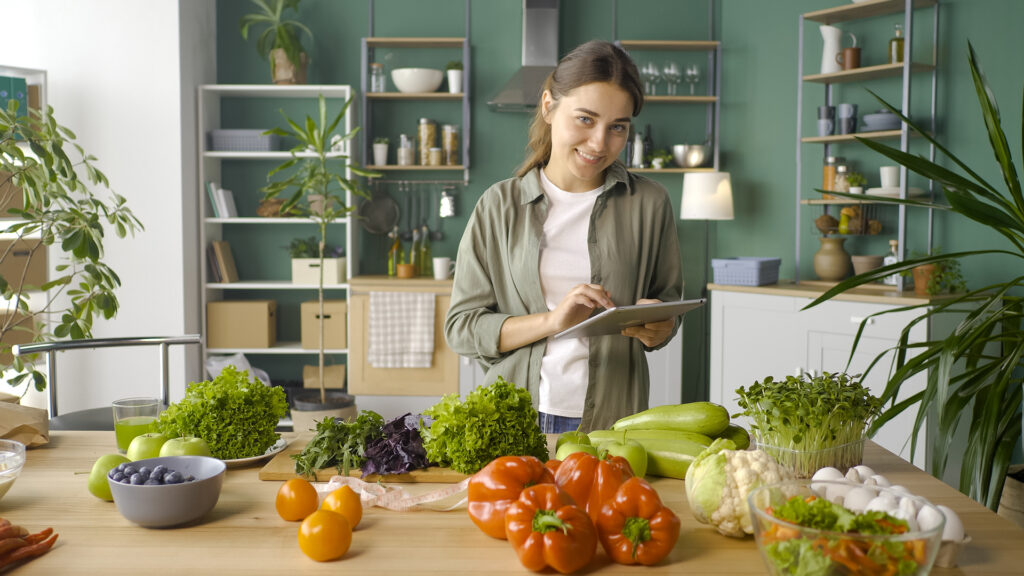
57 346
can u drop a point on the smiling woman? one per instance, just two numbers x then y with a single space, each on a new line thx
571 233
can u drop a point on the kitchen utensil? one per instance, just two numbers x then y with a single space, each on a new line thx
417 79
825 126
12 460
380 213
435 217
690 155
443 268
865 262
849 58
882 120
405 221
447 207
672 75
831 37
890 176
692 76
164 505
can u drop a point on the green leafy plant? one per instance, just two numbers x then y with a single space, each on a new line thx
453 65
381 140
304 247
41 162
280 33
943 276
661 154
856 179
977 372
320 173
339 444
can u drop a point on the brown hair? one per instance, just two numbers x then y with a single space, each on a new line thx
594 61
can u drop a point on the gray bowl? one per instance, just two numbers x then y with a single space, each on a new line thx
690 155
171 504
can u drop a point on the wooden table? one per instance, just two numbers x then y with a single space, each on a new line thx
244 535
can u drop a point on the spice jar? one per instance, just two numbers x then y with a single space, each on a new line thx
378 81
434 157
841 184
450 145
406 154
828 178
426 139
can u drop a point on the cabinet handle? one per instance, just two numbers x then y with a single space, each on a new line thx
859 319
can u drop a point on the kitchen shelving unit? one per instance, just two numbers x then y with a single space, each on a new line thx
904 70
211 168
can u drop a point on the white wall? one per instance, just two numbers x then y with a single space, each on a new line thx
122 75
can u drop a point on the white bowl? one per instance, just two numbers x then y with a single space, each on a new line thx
166 505
417 79
12 460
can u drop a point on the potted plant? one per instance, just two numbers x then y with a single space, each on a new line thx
380 151
49 193
279 42
454 71
660 159
306 262
856 180
977 372
321 173
939 277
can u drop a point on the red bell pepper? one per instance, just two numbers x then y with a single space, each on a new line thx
547 529
496 486
635 527
590 480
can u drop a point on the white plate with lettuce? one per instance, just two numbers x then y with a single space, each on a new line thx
278 446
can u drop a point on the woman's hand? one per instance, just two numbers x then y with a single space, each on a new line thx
578 304
652 333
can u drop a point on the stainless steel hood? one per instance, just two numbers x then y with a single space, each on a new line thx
540 56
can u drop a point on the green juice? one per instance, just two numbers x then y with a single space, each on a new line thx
126 429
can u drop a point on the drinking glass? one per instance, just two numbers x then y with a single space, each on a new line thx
650 73
692 76
133 417
672 75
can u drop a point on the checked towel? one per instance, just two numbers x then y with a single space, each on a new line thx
401 330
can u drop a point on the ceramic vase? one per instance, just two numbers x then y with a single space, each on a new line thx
831 37
922 275
831 262
454 81
283 71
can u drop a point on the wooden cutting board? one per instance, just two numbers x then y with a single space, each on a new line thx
282 467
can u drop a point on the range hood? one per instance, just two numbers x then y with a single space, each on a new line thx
540 56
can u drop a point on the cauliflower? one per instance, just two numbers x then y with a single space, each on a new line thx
719 480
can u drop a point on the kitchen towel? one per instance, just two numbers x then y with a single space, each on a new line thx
401 329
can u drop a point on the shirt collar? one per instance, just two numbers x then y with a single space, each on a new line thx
531 188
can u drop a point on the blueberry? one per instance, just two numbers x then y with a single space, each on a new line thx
173 477
136 479
144 473
112 473
125 480
151 482
145 470
159 468
117 477
158 475
129 470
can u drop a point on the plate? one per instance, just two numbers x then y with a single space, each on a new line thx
894 192
278 446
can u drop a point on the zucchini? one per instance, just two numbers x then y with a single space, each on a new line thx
670 458
739 436
705 418
601 436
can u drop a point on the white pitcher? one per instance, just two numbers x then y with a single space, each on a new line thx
831 37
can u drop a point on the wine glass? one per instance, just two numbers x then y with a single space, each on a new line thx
692 76
672 75
650 73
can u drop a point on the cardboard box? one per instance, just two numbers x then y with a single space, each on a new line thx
10 196
22 330
335 324
334 375
23 263
307 271
241 324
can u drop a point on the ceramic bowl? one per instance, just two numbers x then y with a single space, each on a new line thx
881 121
12 460
865 262
417 79
789 548
162 506
690 155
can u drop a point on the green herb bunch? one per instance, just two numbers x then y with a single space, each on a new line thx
493 421
339 444
800 420
235 414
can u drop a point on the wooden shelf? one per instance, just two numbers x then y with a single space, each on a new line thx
395 167
682 45
682 99
414 96
261 220
415 42
276 155
879 135
668 170
835 201
271 285
868 9
281 348
867 73
278 91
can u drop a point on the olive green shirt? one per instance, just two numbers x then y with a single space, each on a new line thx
634 254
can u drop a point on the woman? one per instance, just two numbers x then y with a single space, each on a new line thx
571 233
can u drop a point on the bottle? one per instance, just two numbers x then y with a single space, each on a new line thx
425 257
638 150
396 255
378 81
414 251
648 144
629 148
892 258
896 44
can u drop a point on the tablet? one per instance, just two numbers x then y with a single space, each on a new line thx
614 320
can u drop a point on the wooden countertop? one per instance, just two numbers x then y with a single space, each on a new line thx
875 293
244 535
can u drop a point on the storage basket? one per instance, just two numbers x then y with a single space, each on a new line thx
243 140
746 271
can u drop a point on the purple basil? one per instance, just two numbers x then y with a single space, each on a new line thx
398 450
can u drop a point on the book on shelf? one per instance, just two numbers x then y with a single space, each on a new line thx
211 261
225 261
226 203
211 192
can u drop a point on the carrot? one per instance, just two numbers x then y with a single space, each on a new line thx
12 531
27 552
39 537
8 544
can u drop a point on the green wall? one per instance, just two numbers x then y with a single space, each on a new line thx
758 114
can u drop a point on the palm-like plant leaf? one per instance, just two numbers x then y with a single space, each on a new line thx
975 373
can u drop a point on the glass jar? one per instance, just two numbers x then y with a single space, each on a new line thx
434 157
450 145
426 139
828 178
406 154
841 184
896 44
378 81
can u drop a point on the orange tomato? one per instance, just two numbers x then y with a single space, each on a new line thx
325 535
296 499
346 502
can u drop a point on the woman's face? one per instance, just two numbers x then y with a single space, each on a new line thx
589 128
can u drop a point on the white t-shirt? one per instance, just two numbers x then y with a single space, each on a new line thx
564 263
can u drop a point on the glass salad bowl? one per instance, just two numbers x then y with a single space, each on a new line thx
12 460
802 527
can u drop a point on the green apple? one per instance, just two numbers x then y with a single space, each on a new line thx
574 436
146 445
98 485
185 446
569 447
634 453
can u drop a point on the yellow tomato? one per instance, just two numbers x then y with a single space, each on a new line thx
325 535
296 499
346 502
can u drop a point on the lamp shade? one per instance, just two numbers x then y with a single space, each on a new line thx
707 196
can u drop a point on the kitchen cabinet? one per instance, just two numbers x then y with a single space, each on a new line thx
258 243
854 81
762 331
